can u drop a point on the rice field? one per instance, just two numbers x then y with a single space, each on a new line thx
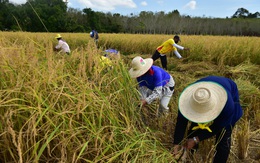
70 108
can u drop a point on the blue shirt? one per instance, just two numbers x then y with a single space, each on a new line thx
232 111
111 51
230 114
94 34
155 77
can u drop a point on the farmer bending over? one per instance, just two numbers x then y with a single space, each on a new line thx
62 45
154 83
211 100
166 47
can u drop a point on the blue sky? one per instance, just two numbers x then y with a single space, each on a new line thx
207 8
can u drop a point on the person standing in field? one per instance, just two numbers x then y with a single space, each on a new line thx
62 44
212 105
94 34
154 83
166 47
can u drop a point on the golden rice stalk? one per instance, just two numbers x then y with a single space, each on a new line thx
243 140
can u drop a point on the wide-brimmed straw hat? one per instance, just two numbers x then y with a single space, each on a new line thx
140 66
58 36
203 101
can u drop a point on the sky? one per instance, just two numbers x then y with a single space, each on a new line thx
199 8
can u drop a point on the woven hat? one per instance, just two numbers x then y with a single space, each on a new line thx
140 66
203 101
58 36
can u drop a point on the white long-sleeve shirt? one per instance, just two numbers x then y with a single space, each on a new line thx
178 55
63 46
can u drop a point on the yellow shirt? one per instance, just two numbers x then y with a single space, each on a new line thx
104 64
166 47
105 61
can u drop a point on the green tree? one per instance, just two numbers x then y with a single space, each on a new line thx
241 13
75 20
91 18
6 15
44 15
255 15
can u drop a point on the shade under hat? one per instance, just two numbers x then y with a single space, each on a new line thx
203 101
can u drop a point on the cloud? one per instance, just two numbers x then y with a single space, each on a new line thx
18 1
107 5
191 5
144 3
102 5
160 2
21 1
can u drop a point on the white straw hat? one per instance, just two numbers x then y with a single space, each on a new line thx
203 101
140 66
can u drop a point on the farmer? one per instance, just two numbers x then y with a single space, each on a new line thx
105 62
94 34
212 105
166 47
112 54
154 83
62 45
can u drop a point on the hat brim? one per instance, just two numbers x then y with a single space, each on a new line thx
137 73
189 110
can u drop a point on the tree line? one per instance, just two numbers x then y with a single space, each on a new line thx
56 16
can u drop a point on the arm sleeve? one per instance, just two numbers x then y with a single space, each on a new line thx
180 128
59 45
178 46
143 91
154 95
177 54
